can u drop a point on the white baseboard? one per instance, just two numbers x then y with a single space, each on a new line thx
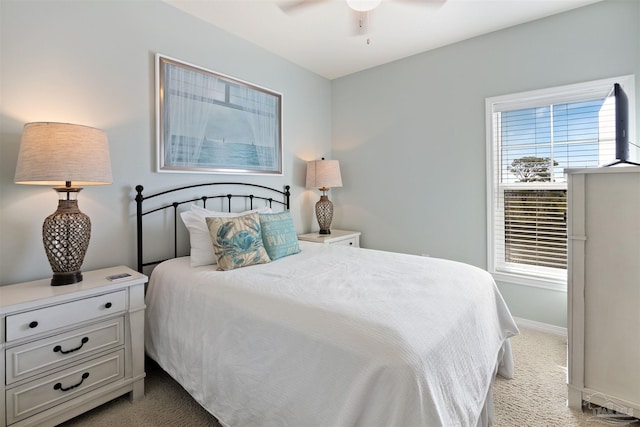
542 327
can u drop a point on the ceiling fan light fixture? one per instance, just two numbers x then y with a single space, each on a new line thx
363 5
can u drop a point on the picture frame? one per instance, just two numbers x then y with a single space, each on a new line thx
207 122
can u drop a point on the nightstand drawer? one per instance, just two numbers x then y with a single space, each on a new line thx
58 316
31 398
29 359
347 242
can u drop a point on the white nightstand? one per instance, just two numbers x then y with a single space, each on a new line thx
67 349
337 237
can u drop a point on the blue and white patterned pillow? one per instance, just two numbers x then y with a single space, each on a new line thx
279 235
237 242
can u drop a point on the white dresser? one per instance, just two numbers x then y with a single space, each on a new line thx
67 349
604 288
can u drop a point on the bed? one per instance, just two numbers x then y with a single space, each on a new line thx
326 336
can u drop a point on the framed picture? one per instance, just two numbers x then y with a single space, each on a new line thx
211 123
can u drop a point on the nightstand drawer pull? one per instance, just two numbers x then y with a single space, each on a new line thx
82 343
58 386
108 305
33 324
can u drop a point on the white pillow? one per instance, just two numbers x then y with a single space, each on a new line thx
199 237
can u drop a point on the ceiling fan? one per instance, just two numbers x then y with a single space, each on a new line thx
361 10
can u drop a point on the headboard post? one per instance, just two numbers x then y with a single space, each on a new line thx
139 200
287 195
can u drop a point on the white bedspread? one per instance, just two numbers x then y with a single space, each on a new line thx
333 336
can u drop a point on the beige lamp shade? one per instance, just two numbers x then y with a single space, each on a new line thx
56 153
323 174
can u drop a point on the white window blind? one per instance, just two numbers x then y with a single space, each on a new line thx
533 137
535 227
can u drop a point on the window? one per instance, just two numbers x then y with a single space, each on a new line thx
531 138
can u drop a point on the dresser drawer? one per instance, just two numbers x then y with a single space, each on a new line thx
45 354
58 316
36 396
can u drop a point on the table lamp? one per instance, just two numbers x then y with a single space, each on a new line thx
324 174
67 156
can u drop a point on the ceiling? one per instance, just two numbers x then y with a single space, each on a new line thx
320 35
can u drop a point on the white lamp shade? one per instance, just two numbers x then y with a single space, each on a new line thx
55 153
323 174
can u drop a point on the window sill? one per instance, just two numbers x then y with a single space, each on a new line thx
536 282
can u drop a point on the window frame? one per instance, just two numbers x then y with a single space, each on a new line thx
537 98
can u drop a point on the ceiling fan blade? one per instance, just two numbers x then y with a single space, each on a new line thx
292 6
424 3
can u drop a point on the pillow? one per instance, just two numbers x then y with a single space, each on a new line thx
279 234
199 238
237 242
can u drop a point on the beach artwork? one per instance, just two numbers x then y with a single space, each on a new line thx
211 123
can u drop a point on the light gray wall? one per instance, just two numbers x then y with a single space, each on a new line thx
410 135
92 63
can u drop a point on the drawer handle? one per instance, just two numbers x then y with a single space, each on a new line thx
82 343
58 386
108 305
33 324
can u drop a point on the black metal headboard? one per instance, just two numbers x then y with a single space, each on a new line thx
269 195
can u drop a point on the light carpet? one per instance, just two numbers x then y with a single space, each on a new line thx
536 396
